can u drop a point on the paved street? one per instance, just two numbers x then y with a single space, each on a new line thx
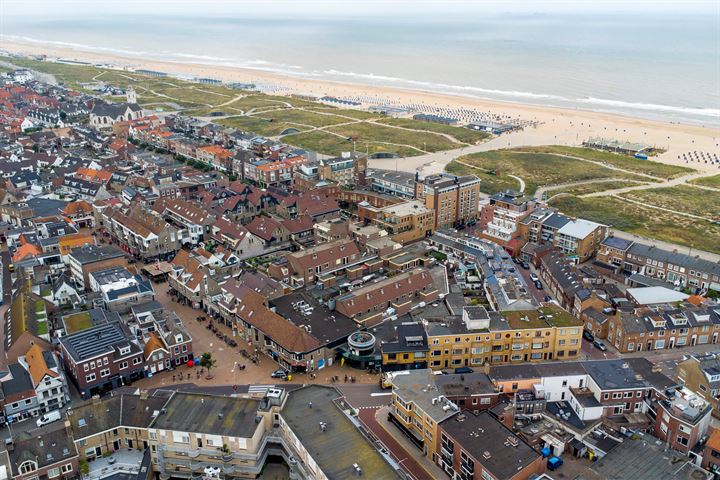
226 371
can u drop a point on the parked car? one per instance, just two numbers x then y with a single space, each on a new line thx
538 285
48 418
525 265
599 345
279 373
534 277
464 370
588 336
547 298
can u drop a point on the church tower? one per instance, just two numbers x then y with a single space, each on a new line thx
131 95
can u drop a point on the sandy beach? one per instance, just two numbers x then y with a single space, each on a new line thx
556 126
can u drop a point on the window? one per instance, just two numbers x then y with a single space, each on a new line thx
105 372
67 468
123 365
53 472
682 440
90 378
27 467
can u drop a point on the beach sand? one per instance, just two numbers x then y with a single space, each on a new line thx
557 126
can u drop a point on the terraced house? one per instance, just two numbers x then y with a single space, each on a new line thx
141 233
643 261
662 327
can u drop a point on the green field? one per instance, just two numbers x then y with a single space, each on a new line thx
302 117
591 188
378 134
646 167
538 169
489 184
682 198
320 142
461 134
646 222
256 125
713 181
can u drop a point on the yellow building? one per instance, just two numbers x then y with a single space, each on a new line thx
479 337
418 407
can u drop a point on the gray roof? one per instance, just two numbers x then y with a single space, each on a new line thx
44 207
481 434
644 459
617 243
113 110
411 337
51 448
418 387
675 258
21 381
210 414
95 253
341 444
98 340
556 221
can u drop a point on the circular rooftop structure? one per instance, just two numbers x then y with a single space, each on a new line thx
361 343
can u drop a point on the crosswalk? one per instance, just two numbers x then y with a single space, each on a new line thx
259 389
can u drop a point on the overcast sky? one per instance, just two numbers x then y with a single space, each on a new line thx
47 8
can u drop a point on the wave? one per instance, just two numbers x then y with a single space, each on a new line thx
77 46
551 100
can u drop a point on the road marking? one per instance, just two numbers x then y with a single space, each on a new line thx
380 394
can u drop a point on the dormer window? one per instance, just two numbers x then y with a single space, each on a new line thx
124 350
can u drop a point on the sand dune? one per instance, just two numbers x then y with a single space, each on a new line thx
557 126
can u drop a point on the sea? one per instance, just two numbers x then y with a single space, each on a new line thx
661 66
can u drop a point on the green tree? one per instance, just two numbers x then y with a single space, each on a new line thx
206 361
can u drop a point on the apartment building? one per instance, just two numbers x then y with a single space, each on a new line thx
454 199
561 279
405 222
390 182
479 337
193 432
370 304
501 216
417 408
409 351
480 447
673 267
575 238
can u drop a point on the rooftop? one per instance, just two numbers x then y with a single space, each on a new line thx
491 443
418 387
341 444
210 414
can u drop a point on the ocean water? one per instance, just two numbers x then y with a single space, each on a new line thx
655 65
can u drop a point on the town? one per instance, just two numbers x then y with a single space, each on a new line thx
183 299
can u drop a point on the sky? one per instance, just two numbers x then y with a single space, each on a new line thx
348 7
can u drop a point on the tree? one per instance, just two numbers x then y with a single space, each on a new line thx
206 361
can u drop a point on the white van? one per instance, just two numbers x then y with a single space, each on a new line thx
49 417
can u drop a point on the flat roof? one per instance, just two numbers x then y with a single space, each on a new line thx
325 325
655 295
211 414
644 459
341 444
492 444
418 386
